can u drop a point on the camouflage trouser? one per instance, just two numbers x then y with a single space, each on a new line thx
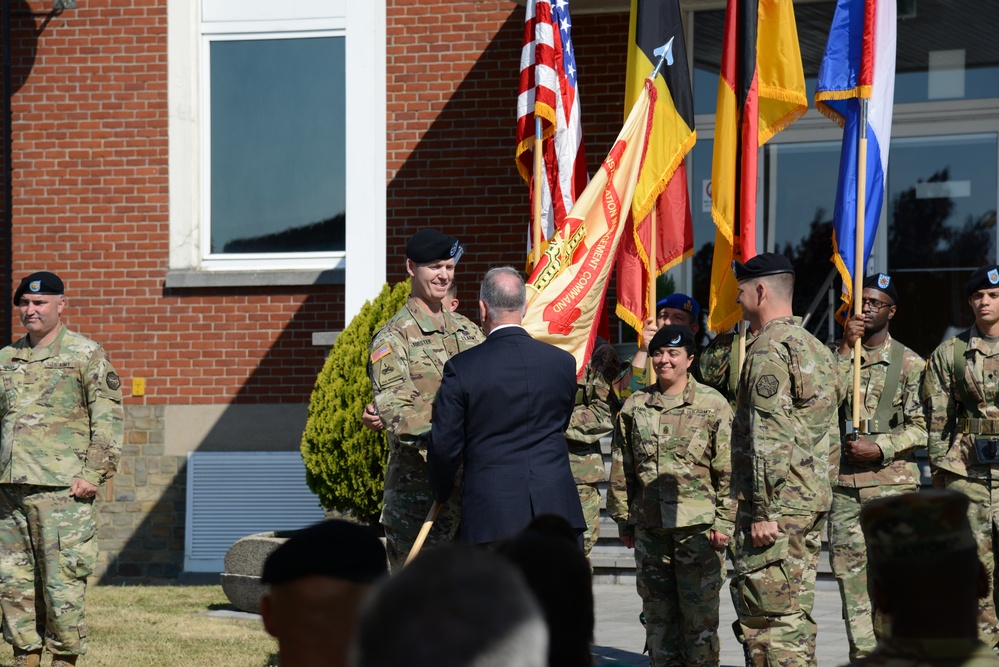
983 512
848 558
774 591
589 498
48 548
398 543
679 579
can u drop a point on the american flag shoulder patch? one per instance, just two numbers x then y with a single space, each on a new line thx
380 352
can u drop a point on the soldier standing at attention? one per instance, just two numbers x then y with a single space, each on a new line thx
782 437
669 493
406 367
880 459
961 394
592 418
61 429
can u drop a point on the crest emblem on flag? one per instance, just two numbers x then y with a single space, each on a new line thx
36 285
883 280
676 341
994 276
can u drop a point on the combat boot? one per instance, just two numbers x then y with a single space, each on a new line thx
64 660
24 658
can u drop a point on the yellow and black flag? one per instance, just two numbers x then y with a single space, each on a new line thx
661 196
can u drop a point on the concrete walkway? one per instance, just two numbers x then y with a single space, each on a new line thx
620 637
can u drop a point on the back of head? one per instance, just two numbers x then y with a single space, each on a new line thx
453 606
548 554
503 290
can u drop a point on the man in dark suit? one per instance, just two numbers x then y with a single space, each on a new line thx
502 410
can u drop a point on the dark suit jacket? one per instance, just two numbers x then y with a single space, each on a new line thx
502 409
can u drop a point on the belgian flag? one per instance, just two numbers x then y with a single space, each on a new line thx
761 91
662 184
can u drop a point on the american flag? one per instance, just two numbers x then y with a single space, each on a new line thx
548 89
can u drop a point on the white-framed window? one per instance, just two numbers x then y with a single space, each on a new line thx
277 142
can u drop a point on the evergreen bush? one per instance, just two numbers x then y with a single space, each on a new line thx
345 462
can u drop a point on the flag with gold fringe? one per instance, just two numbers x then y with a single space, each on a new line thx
761 91
661 197
566 290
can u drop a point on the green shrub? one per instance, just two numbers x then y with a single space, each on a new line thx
345 462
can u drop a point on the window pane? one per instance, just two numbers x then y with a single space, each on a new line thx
277 145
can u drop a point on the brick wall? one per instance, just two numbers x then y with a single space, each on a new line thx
90 203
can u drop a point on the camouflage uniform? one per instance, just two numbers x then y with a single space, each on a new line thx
592 419
784 430
714 367
923 652
669 488
903 431
959 413
61 418
407 364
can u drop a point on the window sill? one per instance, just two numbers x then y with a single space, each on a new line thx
192 279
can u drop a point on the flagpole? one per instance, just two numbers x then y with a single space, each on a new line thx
858 261
653 268
538 168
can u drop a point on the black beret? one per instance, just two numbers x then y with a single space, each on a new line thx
429 245
766 264
984 277
672 335
884 283
337 549
40 282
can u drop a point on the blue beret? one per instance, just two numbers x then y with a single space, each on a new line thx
680 302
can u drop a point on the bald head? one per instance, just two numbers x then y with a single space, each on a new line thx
502 298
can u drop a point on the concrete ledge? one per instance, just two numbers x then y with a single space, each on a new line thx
190 279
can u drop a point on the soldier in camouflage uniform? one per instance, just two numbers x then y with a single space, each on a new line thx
669 493
880 459
718 364
925 537
592 419
61 430
678 309
961 394
784 429
406 367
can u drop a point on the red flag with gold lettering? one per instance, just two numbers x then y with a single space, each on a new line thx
567 289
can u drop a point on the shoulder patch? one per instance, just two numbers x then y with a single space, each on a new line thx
767 386
380 352
113 381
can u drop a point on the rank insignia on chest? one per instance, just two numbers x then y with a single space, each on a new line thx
380 352
767 386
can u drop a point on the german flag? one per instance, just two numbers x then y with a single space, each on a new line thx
661 192
761 91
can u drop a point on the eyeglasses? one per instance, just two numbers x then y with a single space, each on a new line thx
874 304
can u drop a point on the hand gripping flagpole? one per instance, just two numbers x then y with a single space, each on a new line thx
435 509
665 53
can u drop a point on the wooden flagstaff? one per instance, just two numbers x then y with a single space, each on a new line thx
435 509
538 185
653 269
858 260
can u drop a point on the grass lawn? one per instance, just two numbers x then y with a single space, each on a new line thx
166 626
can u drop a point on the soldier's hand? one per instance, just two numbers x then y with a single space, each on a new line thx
852 332
719 540
629 541
371 419
82 489
764 533
862 450
649 330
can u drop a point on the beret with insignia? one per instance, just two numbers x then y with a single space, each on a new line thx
672 335
680 302
916 526
429 245
765 264
40 282
337 549
883 283
984 277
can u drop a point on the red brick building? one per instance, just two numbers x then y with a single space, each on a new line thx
146 169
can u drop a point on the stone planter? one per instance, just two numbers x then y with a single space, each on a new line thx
244 563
